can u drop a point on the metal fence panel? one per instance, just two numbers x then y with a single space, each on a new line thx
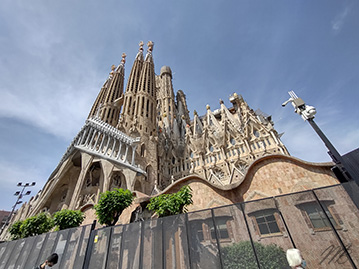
35 251
99 251
233 238
16 252
71 251
310 229
268 232
47 247
8 250
131 246
114 255
81 248
152 244
203 249
60 245
344 216
175 245
21 261
2 249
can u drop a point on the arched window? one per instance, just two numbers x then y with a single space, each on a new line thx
143 150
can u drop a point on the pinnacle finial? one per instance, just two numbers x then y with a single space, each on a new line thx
150 46
123 58
208 107
195 112
221 101
141 45
113 67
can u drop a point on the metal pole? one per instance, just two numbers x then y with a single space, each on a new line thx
217 240
250 235
307 113
108 247
13 209
188 241
163 246
16 203
141 244
284 222
89 246
334 154
124 227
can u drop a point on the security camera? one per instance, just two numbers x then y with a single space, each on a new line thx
286 102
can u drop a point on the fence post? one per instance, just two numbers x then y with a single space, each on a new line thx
188 241
284 222
217 240
163 246
108 246
124 227
250 235
141 244
89 246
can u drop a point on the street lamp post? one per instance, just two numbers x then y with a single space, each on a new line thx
19 195
307 113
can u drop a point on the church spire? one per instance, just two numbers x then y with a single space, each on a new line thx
131 89
149 52
106 106
111 108
146 95
140 97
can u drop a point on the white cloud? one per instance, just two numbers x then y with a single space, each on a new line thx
338 21
45 73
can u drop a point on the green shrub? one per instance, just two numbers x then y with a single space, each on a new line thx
111 205
35 225
240 256
15 230
171 204
67 218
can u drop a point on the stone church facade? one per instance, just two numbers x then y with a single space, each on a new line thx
142 138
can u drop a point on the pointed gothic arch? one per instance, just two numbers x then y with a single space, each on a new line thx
138 186
93 176
118 180
150 174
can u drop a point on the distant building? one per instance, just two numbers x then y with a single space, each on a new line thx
3 217
143 139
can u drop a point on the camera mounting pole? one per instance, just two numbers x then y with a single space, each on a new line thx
307 113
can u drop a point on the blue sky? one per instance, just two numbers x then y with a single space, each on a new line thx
55 56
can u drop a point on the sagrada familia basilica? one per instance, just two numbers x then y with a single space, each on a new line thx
143 138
